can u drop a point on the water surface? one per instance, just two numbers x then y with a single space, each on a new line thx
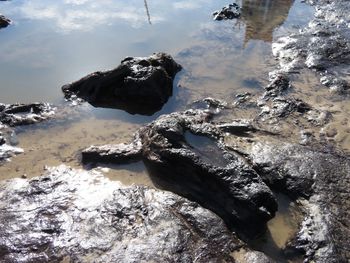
54 42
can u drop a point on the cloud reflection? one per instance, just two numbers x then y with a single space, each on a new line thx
85 15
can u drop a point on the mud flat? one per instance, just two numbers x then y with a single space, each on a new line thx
219 185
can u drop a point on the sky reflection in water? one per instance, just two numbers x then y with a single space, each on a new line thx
53 42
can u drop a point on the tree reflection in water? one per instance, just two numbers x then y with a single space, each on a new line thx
262 17
147 12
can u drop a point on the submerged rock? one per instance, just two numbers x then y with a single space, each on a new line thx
323 178
24 114
228 12
184 154
137 85
77 216
4 22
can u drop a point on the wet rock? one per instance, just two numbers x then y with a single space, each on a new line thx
322 177
276 103
270 162
24 114
238 127
210 103
242 99
245 256
282 107
228 12
4 22
8 151
138 85
318 117
324 45
78 216
120 153
12 115
184 154
2 139
279 83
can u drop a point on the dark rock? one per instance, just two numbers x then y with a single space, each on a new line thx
321 176
78 216
4 22
24 114
228 12
2 139
270 162
279 83
238 127
184 154
137 85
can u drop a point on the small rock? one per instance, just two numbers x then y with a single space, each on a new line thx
4 22
228 12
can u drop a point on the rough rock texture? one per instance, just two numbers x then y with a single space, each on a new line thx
324 45
277 104
75 216
23 114
120 153
137 85
323 177
8 151
4 22
183 153
15 115
228 12
244 256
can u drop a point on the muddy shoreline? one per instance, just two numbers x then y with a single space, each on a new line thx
214 180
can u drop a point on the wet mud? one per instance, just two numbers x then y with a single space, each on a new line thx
263 156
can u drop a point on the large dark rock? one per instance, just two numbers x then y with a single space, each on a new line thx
137 85
77 216
184 154
4 22
323 178
24 114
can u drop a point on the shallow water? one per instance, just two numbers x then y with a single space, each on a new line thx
54 42
206 149
280 230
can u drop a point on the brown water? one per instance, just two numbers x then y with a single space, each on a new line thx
280 230
54 42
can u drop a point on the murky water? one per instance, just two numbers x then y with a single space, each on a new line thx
280 230
54 42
